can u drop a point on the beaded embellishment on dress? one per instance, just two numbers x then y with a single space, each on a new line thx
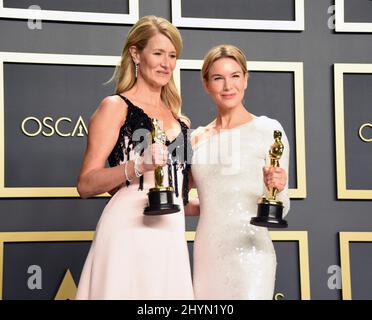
137 119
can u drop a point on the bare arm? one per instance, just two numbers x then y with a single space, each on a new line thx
192 208
104 128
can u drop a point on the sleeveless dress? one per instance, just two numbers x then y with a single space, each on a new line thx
232 258
135 256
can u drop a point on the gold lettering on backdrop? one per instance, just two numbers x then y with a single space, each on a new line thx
361 132
80 125
48 127
24 129
57 128
279 296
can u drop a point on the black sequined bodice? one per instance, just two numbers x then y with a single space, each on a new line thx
179 149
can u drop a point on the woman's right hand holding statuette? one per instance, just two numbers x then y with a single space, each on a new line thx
270 210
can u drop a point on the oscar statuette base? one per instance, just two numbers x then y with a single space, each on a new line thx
269 215
161 202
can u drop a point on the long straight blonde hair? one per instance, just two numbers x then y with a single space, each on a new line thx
138 36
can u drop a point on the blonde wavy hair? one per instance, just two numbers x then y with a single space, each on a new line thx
138 36
223 51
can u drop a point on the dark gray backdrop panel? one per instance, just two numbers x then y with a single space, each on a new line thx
55 91
358 10
237 9
101 6
272 94
190 246
288 270
195 102
50 214
54 258
360 270
358 111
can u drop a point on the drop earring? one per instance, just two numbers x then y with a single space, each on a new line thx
136 70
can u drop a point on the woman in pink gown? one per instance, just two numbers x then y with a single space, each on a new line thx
136 256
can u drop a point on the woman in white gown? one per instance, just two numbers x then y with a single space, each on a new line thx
232 258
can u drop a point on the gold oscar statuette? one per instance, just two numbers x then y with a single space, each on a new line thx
270 210
160 198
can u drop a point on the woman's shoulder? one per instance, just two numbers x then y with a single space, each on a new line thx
202 133
266 127
111 108
265 123
185 121
196 134
203 130
113 102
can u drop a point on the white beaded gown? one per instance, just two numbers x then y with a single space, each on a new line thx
232 258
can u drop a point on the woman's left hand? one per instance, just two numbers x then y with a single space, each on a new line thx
274 177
